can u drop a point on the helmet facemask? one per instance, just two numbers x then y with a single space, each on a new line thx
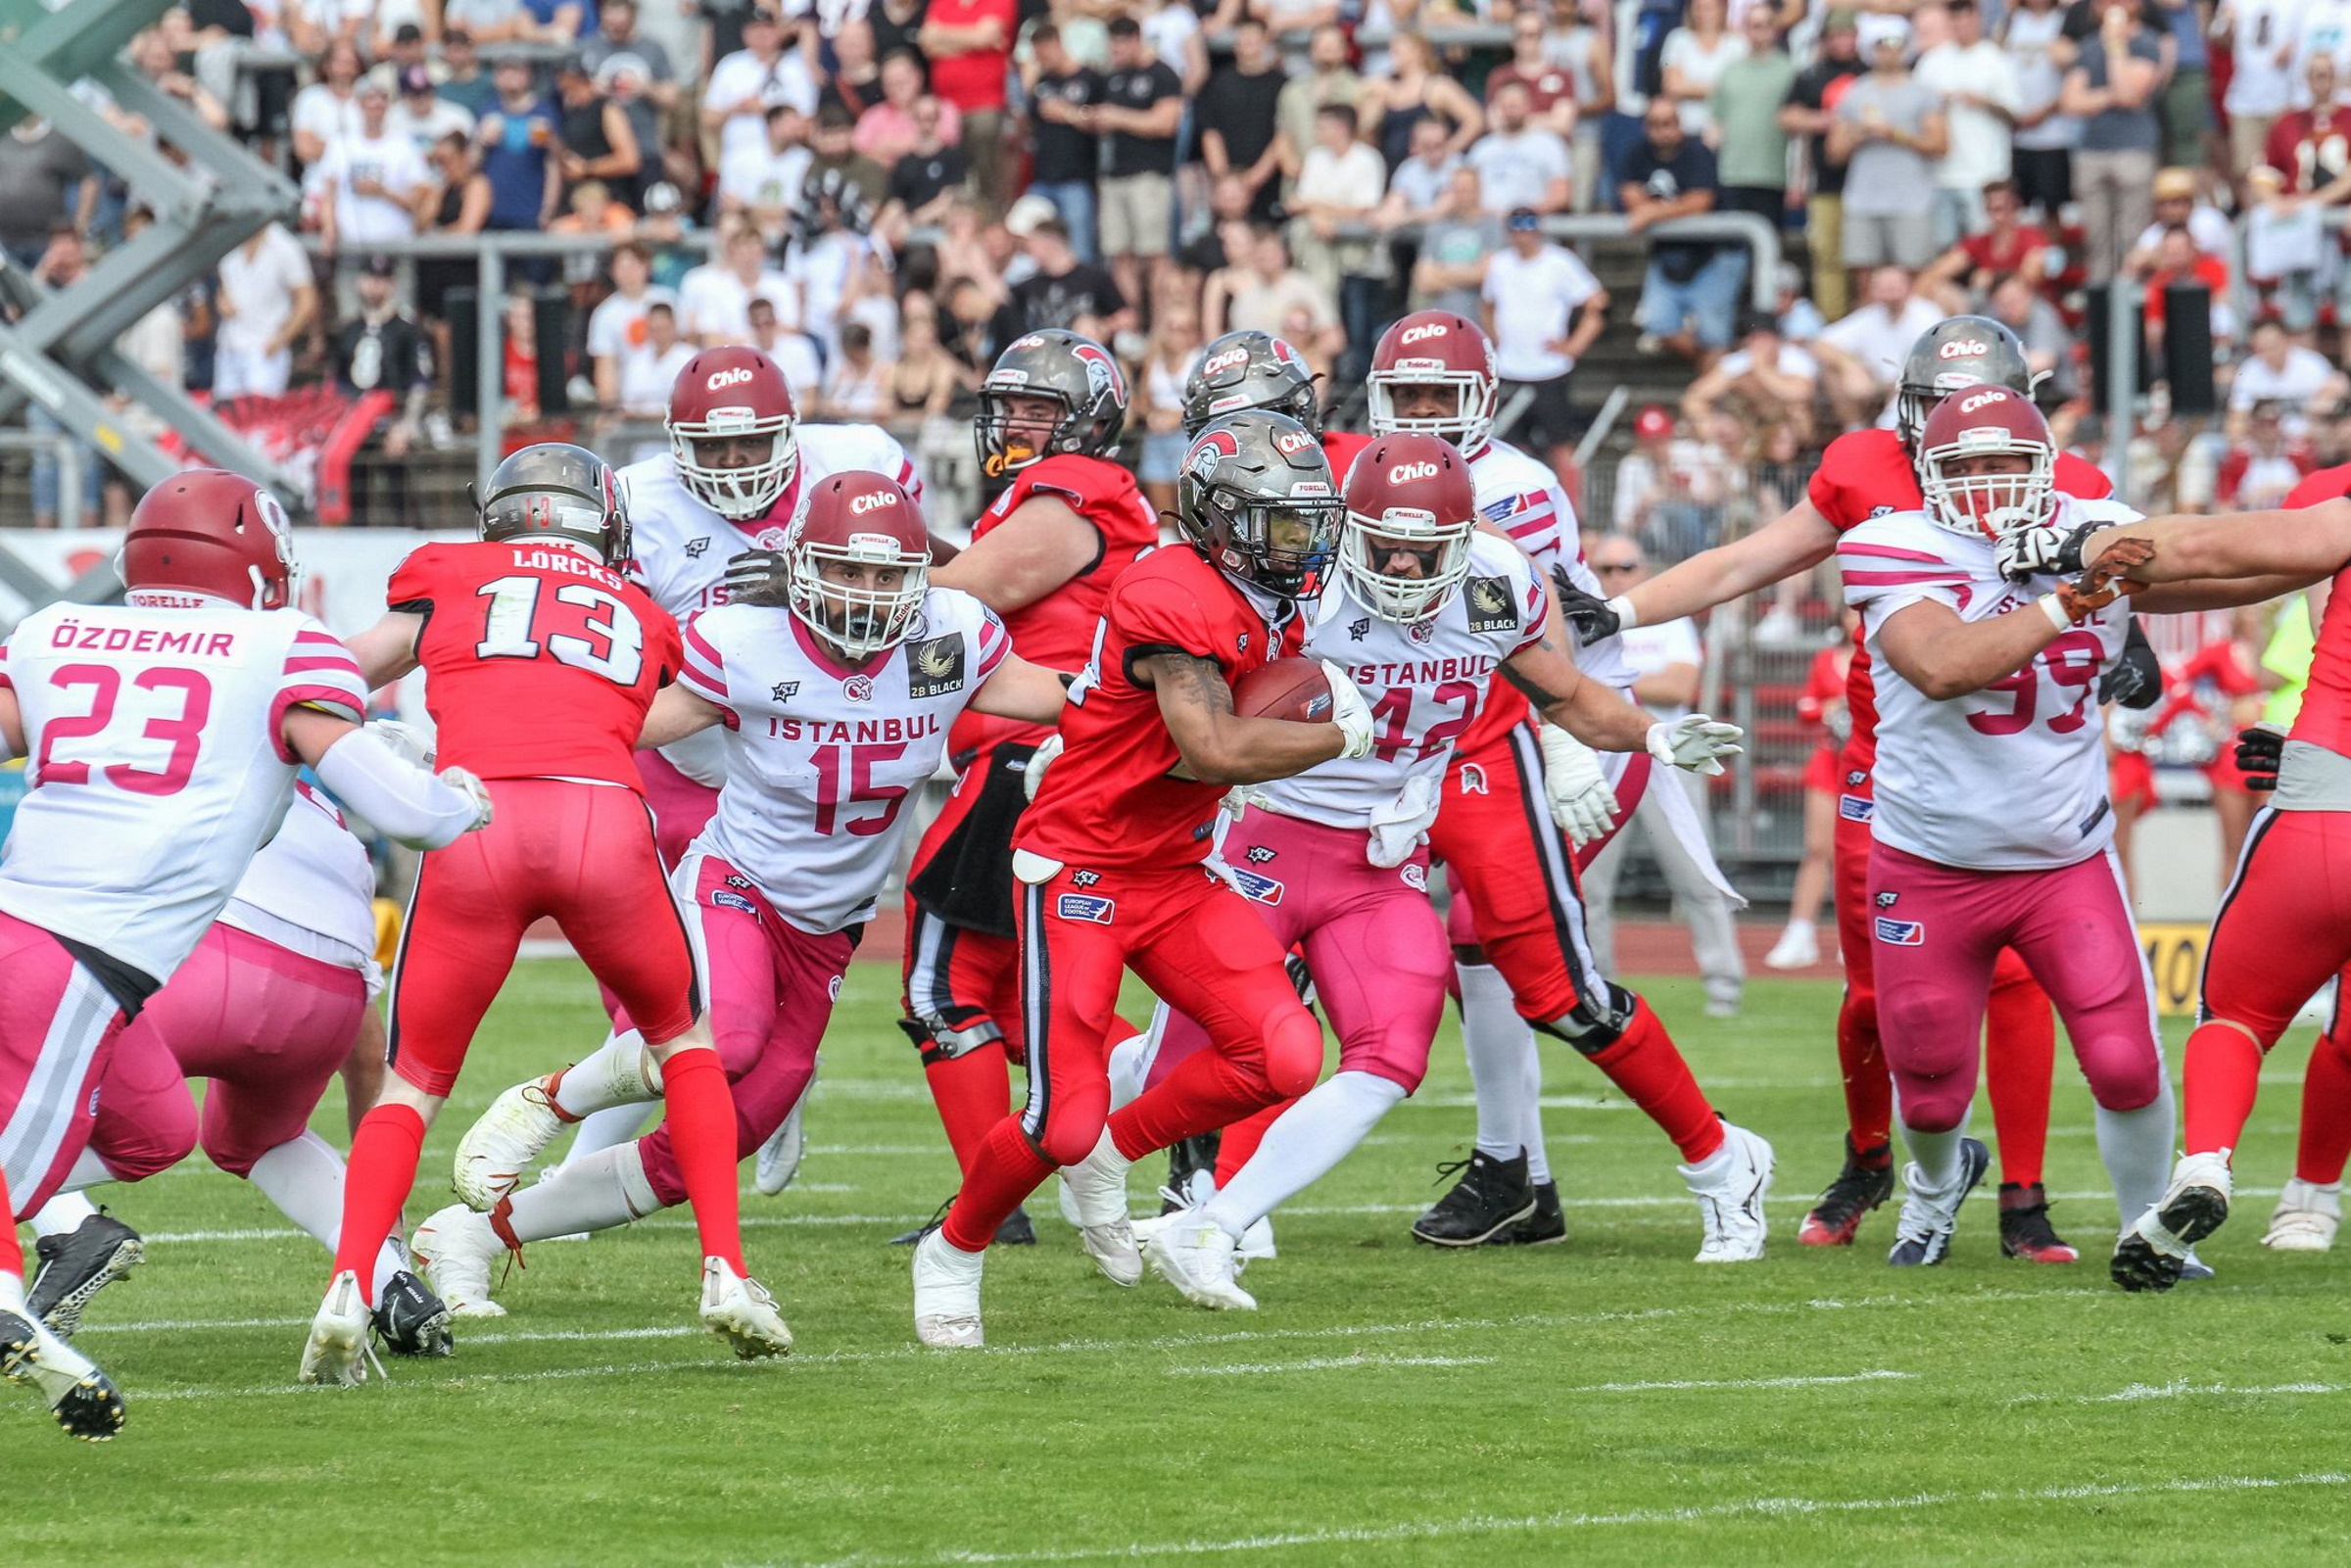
1367 546
1993 500
865 616
1286 543
747 492
1467 427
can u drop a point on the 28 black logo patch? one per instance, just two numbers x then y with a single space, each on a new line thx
935 666
1487 602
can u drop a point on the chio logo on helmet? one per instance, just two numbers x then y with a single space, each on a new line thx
1982 400
872 501
1290 442
723 379
1225 361
1404 473
1962 348
1418 334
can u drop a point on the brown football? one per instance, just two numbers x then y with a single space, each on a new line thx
1287 689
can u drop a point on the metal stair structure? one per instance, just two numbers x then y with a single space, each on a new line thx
58 348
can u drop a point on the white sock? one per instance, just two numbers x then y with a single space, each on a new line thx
1131 1061
88 1171
1302 1146
12 1294
605 1189
1498 1042
2136 1147
62 1215
1530 1117
619 1071
1937 1156
609 1128
304 1177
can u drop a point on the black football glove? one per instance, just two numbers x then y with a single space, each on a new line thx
2136 677
1588 614
755 571
2259 752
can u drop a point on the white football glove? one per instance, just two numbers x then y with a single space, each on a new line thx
473 789
1581 801
408 742
1349 711
1398 825
1695 743
2041 549
1034 773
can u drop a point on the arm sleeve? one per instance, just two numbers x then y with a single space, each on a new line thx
994 642
400 799
318 673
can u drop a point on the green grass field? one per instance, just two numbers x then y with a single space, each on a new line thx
1605 1400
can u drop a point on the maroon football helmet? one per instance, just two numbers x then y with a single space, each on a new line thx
1981 422
1435 348
724 395
208 531
1407 493
858 562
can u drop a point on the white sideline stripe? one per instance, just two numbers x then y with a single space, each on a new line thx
1748 1507
1328 1363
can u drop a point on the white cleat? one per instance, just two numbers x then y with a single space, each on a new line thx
1730 1198
2153 1250
946 1294
1796 949
1196 1255
2306 1217
741 1313
1098 1189
1256 1246
496 1150
338 1343
779 1156
83 1399
456 1249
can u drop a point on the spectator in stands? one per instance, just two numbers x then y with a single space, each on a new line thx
1544 310
744 85
1750 148
1267 294
2263 41
885 132
1227 240
650 370
856 385
2178 264
382 348
617 38
1862 354
2041 144
1416 190
855 81
1695 55
1520 163
310 27
2312 147
463 82
1239 118
1669 489
44 180
423 115
1414 90
897 25
1458 237
969 44
265 303
1811 110
924 380
368 180
2016 304
1141 109
517 139
1067 158
328 106
63 264
714 299
597 141
1888 132
1981 96
2281 371
793 350
1690 294
2176 205
1769 377
930 175
1329 80
2263 462
2184 104
1064 291
2112 89
617 326
1173 33
1550 86
1168 363
1340 185
765 186
837 155
2007 246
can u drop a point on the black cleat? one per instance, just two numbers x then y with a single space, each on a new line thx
1186 1158
84 1400
1865 1183
2155 1252
1492 1196
907 1238
1016 1231
410 1318
78 1265
2025 1229
1541 1228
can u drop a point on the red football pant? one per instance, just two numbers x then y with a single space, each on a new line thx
581 854
58 1029
1200 946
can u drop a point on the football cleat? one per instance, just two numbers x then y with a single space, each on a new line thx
1191 1170
780 1157
1865 1183
1018 1229
338 1343
1196 1255
495 1151
1730 1201
1547 1224
411 1319
1256 1245
946 1294
1492 1196
1097 1187
2025 1229
76 1265
2193 1269
84 1400
2153 1250
741 1313
456 1249
1924 1237
2306 1217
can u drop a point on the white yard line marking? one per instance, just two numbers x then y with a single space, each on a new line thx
2181 1390
1881 1375
1327 1363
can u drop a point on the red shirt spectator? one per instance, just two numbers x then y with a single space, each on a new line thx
2001 253
2209 271
971 79
2310 146
1544 89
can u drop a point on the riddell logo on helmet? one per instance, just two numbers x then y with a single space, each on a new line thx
721 380
1404 473
1420 334
1983 400
872 501
1963 348
1225 361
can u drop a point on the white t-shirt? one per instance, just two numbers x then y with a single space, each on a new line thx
2303 378
1534 300
1169 32
319 110
1792 362
713 302
741 75
1650 648
2259 29
260 285
430 126
2206 225
392 162
1880 342
1356 178
1700 67
1979 140
1515 172
2325 30
618 324
2032 41
761 176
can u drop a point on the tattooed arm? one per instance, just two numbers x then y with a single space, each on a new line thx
1219 747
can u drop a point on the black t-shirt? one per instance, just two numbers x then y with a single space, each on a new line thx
1063 153
231 16
393 357
1240 108
726 19
1040 301
1691 169
1139 89
917 178
891 34
1818 86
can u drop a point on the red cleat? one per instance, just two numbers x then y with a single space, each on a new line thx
2025 1230
1866 1181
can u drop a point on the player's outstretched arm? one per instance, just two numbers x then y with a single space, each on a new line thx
1796 541
675 714
2299 547
1930 647
1041 547
401 799
1218 745
387 650
1019 690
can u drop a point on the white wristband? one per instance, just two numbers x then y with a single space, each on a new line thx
1626 616
2054 608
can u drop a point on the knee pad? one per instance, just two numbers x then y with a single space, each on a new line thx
1293 1053
151 1151
1931 1105
1072 1126
946 1035
2127 1076
1595 1023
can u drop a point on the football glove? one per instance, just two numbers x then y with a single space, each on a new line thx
2104 579
2042 549
1349 711
754 571
1581 801
1396 826
2136 678
1697 744
2260 751
1032 771
1593 617
473 789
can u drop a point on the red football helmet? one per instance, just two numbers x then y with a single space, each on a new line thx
723 396
1407 494
208 531
1987 500
858 562
1435 348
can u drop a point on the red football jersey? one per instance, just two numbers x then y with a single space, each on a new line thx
1109 801
2327 484
1058 630
1865 474
2326 716
537 662
1342 447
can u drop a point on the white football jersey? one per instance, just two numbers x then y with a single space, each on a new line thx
310 888
681 547
820 758
157 762
2010 778
1425 681
1523 497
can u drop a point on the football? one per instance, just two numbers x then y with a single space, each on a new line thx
1287 688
